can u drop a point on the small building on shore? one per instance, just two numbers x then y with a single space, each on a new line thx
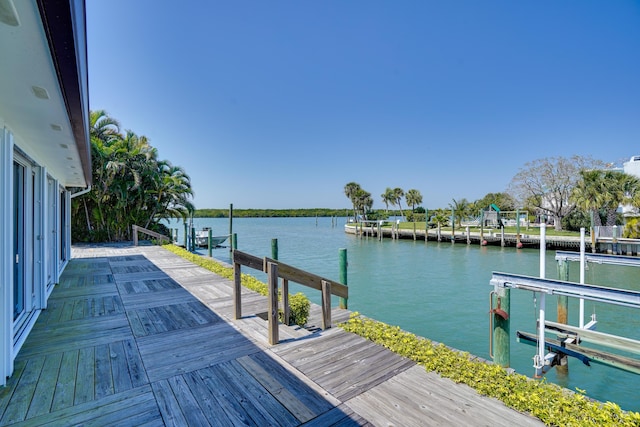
45 155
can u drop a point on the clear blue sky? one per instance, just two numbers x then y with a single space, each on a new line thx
278 104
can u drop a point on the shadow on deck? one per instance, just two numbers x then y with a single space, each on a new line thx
139 336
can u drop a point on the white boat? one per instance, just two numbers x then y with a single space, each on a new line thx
202 238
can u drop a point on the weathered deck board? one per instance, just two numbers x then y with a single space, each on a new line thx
139 336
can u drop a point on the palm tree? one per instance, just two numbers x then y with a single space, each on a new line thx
621 188
588 194
413 198
388 197
350 190
604 190
171 193
364 201
131 186
398 195
460 209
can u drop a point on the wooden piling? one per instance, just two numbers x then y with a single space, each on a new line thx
482 227
234 241
186 233
237 290
286 309
209 243
231 247
518 244
272 315
563 313
426 225
501 300
343 274
468 235
274 248
193 239
326 304
453 226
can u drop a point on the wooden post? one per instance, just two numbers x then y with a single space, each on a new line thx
518 244
272 315
134 229
414 228
209 242
426 225
439 233
563 313
274 248
502 236
193 239
380 230
482 227
501 299
453 227
237 291
326 304
468 235
592 233
563 301
343 274
234 241
286 310
232 247
186 233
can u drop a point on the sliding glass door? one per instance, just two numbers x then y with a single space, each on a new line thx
19 216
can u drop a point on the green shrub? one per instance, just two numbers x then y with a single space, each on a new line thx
550 403
300 306
632 229
298 303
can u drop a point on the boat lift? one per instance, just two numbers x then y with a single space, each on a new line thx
571 335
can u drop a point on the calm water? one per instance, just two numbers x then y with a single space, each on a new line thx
441 291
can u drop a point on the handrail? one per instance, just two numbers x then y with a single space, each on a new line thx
286 273
137 229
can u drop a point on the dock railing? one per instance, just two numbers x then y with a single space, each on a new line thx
135 229
275 270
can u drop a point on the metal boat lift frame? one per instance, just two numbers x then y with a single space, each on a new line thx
622 297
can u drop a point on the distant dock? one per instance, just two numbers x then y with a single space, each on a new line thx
495 237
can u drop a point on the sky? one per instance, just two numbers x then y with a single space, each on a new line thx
279 104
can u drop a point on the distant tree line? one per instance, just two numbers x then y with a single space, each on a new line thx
130 186
270 213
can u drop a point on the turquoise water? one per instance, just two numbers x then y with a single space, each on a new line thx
441 290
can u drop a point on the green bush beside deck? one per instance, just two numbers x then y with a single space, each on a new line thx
550 403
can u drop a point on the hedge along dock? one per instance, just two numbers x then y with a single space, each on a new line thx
140 336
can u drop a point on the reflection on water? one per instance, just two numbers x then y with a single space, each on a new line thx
441 290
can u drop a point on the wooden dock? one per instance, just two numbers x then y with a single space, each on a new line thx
494 237
137 336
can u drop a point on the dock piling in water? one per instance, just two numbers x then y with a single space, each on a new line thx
209 246
343 274
500 307
274 249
